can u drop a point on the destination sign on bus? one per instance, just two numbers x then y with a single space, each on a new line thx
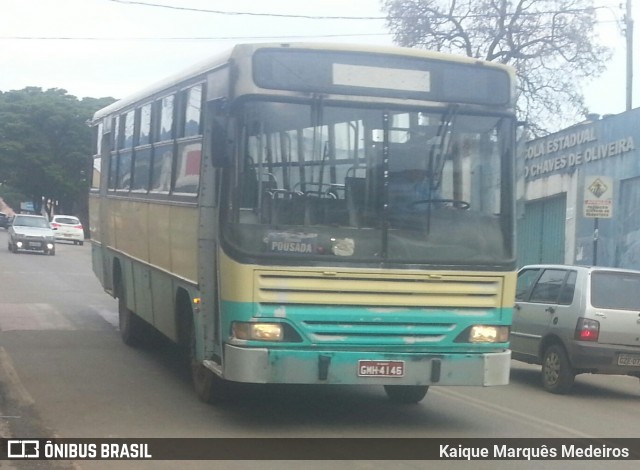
364 73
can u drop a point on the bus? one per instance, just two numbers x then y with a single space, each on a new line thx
251 209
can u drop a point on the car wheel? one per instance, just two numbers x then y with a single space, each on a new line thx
14 248
557 374
52 252
132 327
406 393
80 243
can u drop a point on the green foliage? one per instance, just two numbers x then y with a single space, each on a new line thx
45 145
11 196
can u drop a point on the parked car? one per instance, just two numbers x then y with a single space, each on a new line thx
68 227
4 220
577 319
32 233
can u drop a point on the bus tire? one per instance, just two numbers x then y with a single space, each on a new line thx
209 388
132 327
406 393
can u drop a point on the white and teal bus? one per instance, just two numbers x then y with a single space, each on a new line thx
256 210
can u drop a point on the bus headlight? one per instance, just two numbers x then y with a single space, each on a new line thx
488 334
258 331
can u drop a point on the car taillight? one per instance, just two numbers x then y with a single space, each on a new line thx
54 225
78 226
587 330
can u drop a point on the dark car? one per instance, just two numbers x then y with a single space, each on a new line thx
4 220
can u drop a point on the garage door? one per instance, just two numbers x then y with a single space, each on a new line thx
541 231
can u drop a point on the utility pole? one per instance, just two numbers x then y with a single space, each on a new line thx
629 37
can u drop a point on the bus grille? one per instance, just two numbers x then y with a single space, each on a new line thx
378 332
384 290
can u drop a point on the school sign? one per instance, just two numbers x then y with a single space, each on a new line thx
587 172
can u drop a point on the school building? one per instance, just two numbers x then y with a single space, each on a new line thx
579 194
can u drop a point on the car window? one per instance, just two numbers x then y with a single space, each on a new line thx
615 290
66 220
547 289
526 278
38 222
566 294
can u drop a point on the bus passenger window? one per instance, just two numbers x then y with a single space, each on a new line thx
193 105
163 147
188 167
113 157
166 119
125 150
144 128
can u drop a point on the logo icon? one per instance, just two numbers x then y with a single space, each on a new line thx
23 449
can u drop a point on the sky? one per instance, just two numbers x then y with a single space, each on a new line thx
113 48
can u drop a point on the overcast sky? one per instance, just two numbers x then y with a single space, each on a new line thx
36 48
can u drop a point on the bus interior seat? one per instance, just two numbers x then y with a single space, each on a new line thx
355 195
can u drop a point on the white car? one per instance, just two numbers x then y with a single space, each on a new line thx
68 227
32 233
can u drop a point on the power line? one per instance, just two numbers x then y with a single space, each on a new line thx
239 13
331 17
211 38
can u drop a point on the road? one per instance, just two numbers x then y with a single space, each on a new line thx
64 372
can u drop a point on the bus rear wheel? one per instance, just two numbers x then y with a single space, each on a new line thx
406 393
132 327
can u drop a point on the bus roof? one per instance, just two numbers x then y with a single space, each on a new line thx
238 50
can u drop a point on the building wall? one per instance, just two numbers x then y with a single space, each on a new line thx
561 163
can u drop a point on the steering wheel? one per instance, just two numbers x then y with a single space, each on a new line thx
459 204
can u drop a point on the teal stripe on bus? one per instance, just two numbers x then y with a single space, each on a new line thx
419 329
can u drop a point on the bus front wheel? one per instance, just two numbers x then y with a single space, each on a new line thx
208 386
406 393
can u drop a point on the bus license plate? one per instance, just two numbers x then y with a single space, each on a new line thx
629 360
381 368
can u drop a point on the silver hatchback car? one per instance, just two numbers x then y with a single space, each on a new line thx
577 319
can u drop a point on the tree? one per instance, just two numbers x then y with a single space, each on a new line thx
45 145
551 44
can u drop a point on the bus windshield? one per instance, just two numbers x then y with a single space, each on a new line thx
360 184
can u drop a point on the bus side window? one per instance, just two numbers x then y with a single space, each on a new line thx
163 148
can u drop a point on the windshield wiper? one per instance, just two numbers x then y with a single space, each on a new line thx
439 151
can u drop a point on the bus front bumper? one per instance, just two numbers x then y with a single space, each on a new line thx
258 365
